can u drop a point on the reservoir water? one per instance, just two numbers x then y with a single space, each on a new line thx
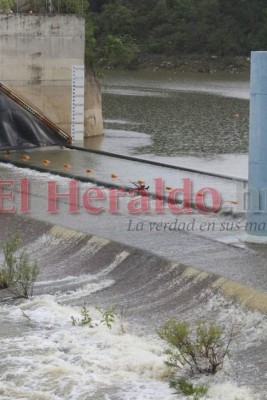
197 120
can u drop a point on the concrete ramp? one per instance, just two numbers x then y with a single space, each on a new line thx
22 126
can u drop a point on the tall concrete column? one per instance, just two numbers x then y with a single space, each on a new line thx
257 185
37 56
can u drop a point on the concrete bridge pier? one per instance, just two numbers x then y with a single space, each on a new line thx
257 184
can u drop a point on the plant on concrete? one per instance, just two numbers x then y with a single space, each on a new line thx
198 349
17 274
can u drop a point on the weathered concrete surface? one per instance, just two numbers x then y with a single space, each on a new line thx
93 107
36 58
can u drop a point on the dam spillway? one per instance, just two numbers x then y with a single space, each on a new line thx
78 269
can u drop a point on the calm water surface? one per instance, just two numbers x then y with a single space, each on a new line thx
197 119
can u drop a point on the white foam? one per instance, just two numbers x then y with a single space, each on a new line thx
33 173
57 361
229 391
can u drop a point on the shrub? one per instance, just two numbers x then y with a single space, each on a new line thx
17 274
119 50
188 389
85 318
201 349
108 315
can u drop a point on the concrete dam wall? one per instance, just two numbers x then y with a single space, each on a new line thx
37 54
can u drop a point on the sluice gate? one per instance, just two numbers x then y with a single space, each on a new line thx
22 126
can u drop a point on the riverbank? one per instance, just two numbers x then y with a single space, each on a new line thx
191 63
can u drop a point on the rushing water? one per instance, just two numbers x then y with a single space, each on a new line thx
44 357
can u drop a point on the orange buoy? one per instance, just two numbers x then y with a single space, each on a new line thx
114 176
25 157
140 182
46 162
169 187
89 170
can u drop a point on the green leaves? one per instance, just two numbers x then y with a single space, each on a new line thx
5 5
193 350
188 389
196 349
17 274
85 318
119 50
108 316
179 27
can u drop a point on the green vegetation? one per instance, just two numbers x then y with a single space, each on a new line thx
199 349
108 316
17 274
194 350
127 31
188 389
132 32
85 318
5 5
